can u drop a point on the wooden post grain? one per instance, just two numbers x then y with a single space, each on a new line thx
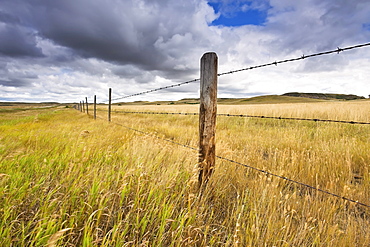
207 116
95 107
110 105
87 106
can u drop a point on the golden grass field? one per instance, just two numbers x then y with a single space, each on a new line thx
69 180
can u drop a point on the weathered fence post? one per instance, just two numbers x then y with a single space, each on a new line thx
207 116
95 107
110 105
80 107
87 106
83 106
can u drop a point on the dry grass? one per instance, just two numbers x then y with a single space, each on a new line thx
67 180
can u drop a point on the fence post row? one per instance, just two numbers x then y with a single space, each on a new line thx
207 116
87 106
110 104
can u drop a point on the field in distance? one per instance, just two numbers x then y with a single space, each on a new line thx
69 180
266 99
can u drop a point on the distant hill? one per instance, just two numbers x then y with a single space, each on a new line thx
324 96
266 99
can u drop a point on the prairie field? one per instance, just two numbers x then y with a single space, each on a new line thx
69 180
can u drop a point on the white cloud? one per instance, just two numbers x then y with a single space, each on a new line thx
77 48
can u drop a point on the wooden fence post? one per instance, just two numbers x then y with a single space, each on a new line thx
80 107
87 106
83 106
110 104
207 116
95 107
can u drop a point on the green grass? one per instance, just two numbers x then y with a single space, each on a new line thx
69 180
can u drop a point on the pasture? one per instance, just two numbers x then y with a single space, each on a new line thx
69 180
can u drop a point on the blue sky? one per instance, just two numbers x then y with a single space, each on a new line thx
237 15
67 50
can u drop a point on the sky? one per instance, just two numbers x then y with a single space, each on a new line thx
66 50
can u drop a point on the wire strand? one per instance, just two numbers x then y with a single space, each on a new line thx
338 50
246 116
154 90
250 167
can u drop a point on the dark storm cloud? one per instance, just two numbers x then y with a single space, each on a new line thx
8 18
17 40
14 83
117 31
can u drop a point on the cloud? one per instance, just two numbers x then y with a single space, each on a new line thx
8 18
16 40
83 47
13 83
124 32
317 25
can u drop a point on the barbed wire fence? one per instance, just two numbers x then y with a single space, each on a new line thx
247 166
206 84
244 116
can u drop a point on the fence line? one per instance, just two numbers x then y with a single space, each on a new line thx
245 116
338 50
207 118
248 166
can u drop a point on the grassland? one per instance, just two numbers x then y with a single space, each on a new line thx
69 180
266 99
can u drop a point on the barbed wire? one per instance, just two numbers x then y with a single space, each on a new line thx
248 166
154 90
294 118
295 182
245 116
338 50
